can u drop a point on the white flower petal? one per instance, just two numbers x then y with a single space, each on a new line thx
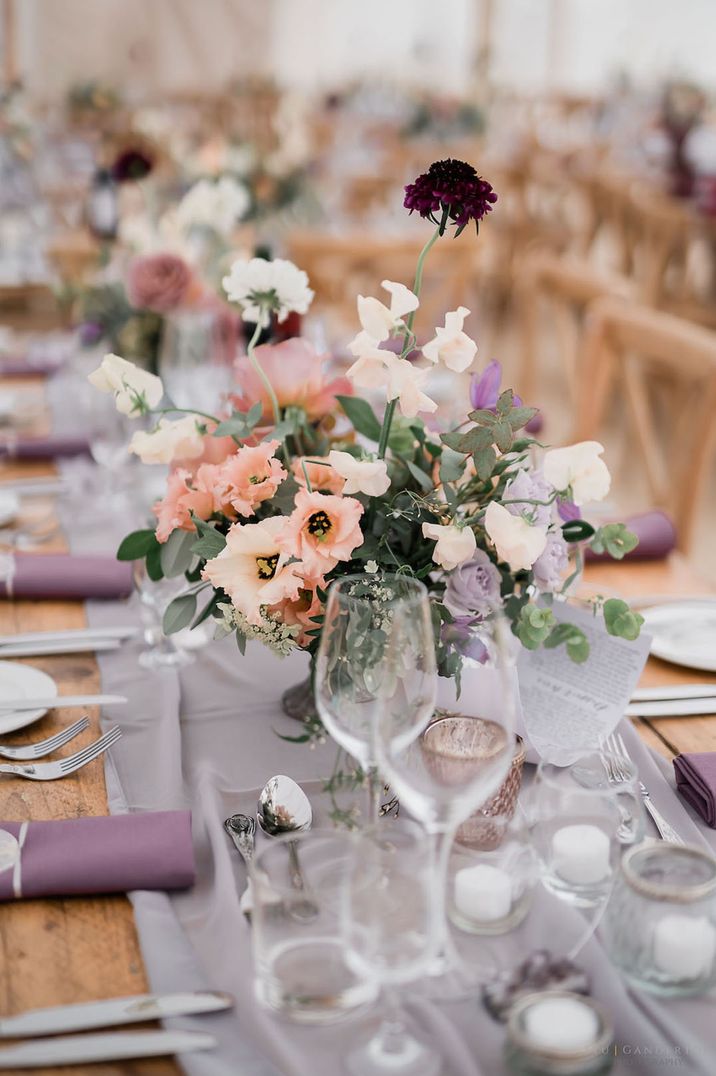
579 468
517 542
362 476
402 300
454 545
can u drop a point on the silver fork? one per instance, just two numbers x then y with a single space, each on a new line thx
50 771
614 743
30 751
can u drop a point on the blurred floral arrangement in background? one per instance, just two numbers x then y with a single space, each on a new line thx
269 503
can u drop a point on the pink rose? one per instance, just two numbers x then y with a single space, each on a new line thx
295 370
159 282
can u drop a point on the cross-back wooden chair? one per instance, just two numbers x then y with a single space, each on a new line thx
562 286
633 352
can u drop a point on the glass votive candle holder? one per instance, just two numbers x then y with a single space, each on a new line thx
557 1033
491 887
660 923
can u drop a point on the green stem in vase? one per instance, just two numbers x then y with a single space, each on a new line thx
260 371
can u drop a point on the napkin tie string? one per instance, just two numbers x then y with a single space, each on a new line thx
7 572
17 870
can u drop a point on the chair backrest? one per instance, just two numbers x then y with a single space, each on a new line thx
664 367
566 284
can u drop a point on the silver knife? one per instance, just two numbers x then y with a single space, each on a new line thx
68 635
673 691
88 1015
113 1046
35 650
54 702
672 708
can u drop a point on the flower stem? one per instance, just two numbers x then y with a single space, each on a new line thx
183 411
407 342
259 370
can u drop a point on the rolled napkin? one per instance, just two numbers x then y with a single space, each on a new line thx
63 575
656 533
53 446
81 856
696 783
29 365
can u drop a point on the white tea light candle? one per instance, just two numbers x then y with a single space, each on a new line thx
564 1024
483 893
580 854
684 946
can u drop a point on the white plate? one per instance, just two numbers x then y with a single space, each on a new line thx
9 506
18 680
684 633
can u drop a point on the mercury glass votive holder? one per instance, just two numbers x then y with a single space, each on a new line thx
660 923
491 885
558 1033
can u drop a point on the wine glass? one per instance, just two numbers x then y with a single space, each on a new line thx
456 763
162 651
390 935
377 644
195 358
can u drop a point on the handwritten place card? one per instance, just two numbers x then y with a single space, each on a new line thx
569 708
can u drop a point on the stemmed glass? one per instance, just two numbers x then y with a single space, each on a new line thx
390 934
455 765
377 648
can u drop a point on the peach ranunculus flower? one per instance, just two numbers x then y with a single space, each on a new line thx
249 477
185 494
295 370
321 530
253 570
321 474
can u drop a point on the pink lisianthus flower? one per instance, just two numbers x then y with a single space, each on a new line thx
247 478
185 494
299 610
295 370
321 530
321 474
160 282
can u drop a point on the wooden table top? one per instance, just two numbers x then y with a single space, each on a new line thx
62 951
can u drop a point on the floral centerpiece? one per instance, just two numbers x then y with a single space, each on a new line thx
267 505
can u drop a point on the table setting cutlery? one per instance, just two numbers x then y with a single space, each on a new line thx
242 830
27 752
34 487
618 774
113 1012
50 702
75 641
53 771
285 808
112 1046
677 707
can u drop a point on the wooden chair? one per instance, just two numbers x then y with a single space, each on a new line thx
565 285
629 353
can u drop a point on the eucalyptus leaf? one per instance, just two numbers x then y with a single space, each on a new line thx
620 620
485 460
179 613
423 479
615 539
154 564
177 552
240 424
361 415
137 544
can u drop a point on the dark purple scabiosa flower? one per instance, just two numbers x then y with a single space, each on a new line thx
450 192
131 164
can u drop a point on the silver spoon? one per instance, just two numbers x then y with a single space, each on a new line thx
283 808
242 831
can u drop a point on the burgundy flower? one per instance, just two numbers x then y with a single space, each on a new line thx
131 164
450 190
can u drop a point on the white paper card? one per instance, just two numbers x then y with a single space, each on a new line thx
568 708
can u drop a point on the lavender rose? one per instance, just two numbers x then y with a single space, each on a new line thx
550 566
533 486
473 587
158 282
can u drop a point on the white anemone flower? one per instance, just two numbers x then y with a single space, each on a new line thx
215 204
451 345
264 287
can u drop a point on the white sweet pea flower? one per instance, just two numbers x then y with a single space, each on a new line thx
377 320
579 468
218 205
262 287
451 345
370 370
517 542
135 390
453 545
170 441
362 476
405 383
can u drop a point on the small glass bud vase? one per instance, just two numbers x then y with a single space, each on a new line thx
557 1033
660 924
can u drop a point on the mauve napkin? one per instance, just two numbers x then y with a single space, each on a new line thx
29 366
53 446
696 783
62 575
656 534
116 854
